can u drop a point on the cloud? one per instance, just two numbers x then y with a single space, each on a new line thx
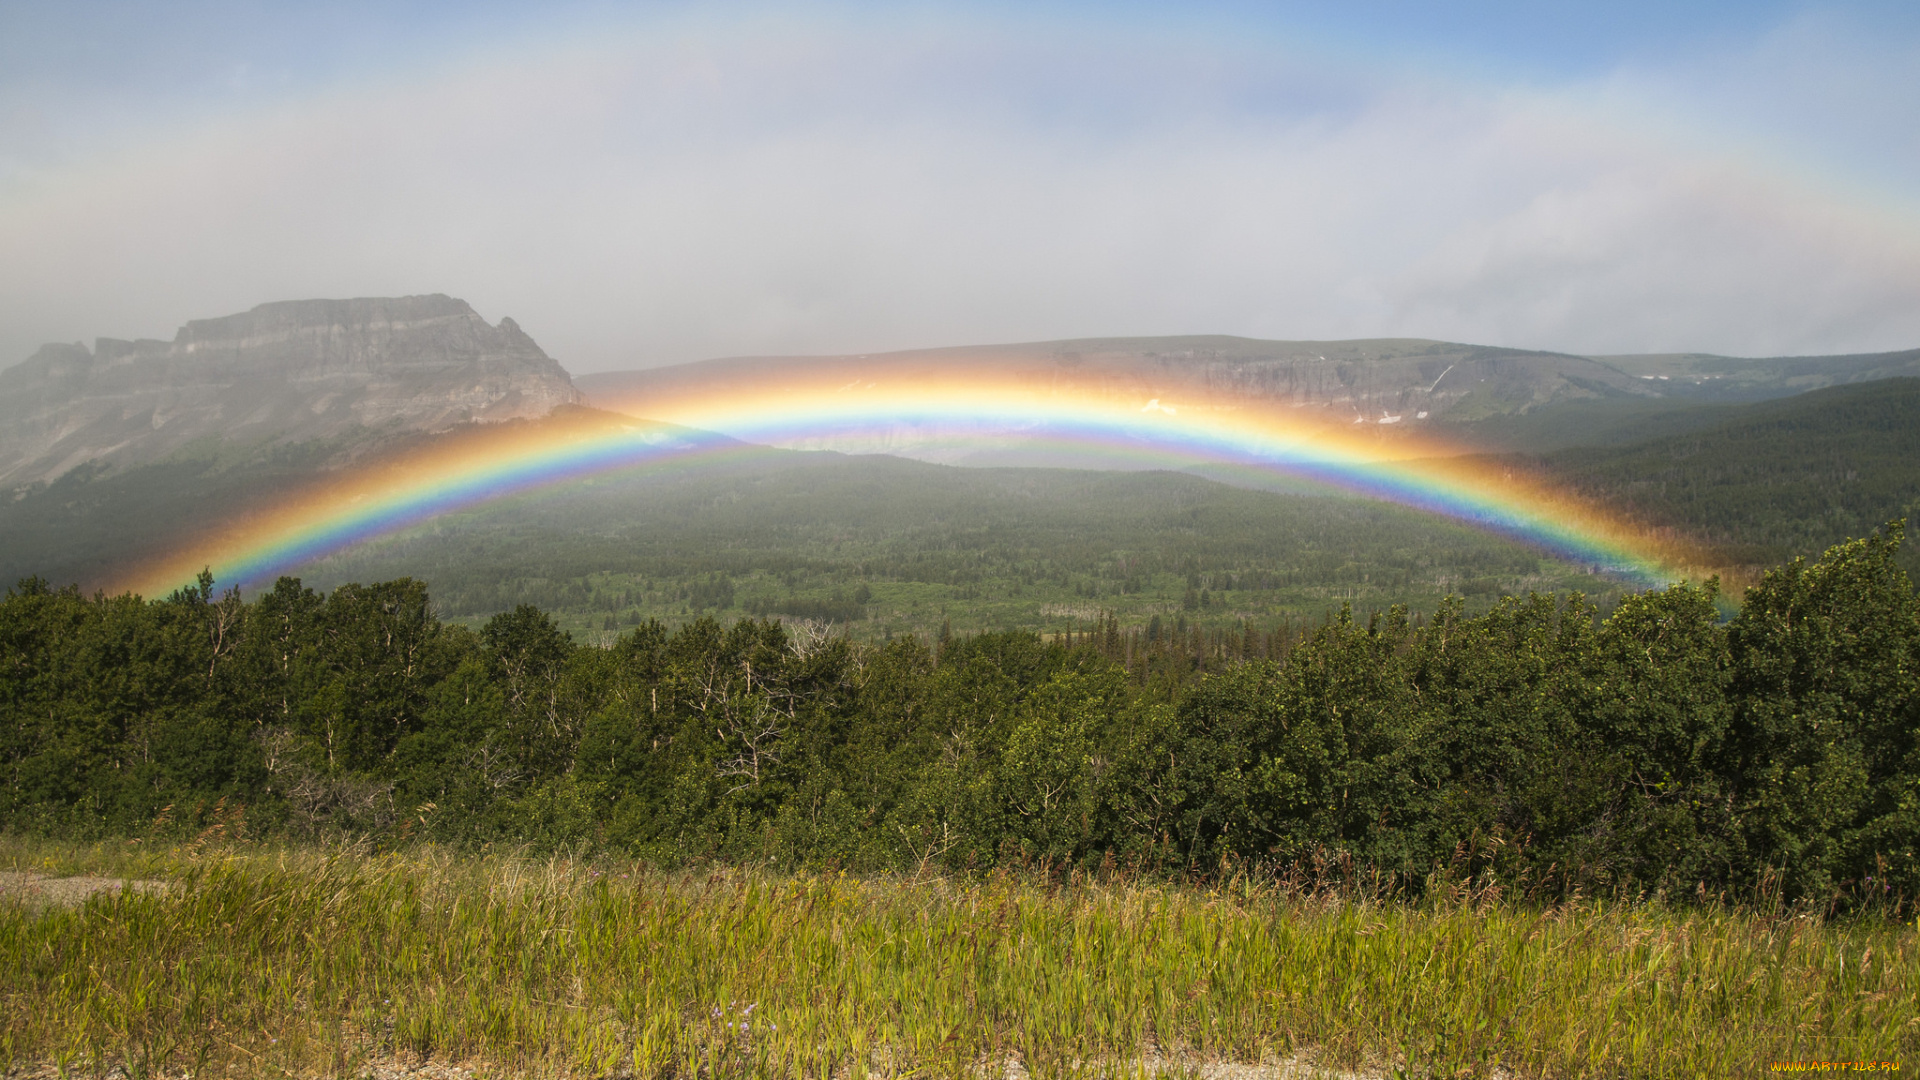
698 188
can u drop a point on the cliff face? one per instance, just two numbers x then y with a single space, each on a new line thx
287 371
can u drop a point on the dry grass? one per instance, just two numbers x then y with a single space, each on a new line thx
304 962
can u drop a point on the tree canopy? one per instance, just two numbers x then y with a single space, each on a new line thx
1655 748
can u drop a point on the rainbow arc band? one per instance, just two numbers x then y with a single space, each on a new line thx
489 463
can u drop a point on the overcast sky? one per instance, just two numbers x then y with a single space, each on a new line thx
648 184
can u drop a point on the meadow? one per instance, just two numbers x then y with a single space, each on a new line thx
1537 840
292 961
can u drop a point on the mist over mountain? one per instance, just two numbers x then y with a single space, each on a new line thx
293 372
281 373
1480 396
127 449
1369 379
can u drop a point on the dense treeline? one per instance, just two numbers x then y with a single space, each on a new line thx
1657 748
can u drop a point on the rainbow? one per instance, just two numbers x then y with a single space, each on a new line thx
484 464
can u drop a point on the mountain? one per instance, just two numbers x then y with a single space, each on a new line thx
282 373
1707 377
1696 392
293 372
1480 396
1384 381
129 449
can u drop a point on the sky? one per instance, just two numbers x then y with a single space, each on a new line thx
647 184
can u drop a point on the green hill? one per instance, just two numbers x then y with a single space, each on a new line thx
1766 481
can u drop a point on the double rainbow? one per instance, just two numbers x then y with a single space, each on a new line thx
480 465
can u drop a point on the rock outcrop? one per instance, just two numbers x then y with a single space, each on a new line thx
282 372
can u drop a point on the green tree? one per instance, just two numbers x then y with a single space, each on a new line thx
1825 661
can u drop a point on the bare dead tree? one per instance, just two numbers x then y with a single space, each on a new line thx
495 765
754 733
223 623
808 636
932 849
750 714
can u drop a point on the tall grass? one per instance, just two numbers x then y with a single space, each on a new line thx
306 961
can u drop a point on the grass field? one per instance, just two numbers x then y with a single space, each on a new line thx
264 962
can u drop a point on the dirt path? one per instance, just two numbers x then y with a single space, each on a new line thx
41 890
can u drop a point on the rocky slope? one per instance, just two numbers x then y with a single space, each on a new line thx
283 372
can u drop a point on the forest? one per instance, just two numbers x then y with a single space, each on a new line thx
884 547
1763 482
1658 749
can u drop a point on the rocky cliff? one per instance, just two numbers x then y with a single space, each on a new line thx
282 372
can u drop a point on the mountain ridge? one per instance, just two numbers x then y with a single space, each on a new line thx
289 371
1480 397
1366 378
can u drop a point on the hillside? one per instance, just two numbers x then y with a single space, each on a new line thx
1763 482
1771 480
1704 392
1493 399
92 522
1399 384
1708 377
131 449
282 373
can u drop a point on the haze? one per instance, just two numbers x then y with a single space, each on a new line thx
653 185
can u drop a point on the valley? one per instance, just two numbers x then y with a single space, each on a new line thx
846 526
883 671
